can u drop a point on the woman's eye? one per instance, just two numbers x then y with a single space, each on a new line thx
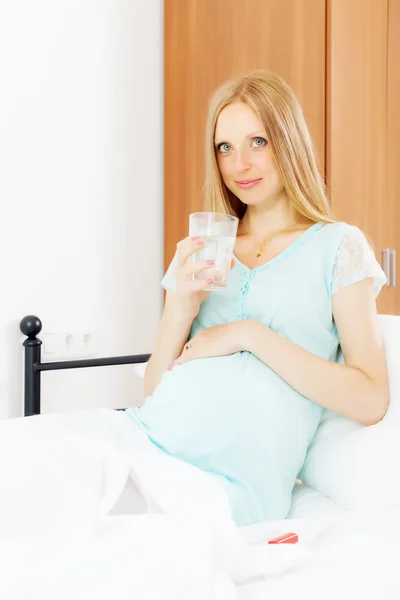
259 142
224 148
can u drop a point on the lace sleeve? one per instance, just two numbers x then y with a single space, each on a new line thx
355 261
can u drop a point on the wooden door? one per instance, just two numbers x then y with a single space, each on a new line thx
209 41
357 85
391 206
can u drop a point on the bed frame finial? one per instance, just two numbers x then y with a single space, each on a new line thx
31 326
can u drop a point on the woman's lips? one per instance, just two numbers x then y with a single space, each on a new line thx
248 183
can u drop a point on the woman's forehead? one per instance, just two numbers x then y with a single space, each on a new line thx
237 120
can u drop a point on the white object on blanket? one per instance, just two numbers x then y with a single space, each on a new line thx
61 475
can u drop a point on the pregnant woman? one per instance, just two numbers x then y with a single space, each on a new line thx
240 377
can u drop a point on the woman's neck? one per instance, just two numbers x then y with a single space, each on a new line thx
262 221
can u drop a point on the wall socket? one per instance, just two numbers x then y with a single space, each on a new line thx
67 345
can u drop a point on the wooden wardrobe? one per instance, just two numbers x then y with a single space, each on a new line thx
341 57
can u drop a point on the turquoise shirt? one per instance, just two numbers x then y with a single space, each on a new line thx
234 417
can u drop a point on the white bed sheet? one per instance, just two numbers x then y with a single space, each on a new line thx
353 555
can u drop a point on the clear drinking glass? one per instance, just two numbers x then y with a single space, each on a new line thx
218 231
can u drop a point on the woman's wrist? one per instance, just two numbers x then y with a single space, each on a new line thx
249 329
183 319
180 313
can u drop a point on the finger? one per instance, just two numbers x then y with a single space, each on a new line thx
190 287
185 241
188 248
195 267
178 361
182 359
233 263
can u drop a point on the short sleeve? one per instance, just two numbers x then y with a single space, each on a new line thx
355 261
168 282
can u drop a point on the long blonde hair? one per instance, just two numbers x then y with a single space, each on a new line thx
281 115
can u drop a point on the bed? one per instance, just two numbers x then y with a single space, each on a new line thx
188 549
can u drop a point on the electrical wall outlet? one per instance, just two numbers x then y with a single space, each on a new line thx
67 345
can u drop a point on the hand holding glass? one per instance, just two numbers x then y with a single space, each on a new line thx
218 231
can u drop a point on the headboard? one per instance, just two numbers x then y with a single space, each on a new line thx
31 326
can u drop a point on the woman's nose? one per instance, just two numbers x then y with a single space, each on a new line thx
242 162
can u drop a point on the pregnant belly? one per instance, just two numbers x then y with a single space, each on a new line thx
234 418
207 404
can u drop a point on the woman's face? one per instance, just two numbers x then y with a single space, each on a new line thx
244 157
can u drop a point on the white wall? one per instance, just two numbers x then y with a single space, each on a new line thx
80 188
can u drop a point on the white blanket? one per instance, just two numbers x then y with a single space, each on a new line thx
62 478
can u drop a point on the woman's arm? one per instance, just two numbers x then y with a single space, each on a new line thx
172 334
182 305
359 389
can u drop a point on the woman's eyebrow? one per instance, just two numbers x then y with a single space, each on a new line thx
256 133
250 135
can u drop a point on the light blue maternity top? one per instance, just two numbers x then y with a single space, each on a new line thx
234 417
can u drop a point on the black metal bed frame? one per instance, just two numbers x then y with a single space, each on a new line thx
31 326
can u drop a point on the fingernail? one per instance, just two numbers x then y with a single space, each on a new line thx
210 262
209 281
199 242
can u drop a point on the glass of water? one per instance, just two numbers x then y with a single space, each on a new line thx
218 231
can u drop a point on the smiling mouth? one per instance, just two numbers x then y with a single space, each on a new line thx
248 183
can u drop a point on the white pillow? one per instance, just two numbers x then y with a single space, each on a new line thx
357 466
